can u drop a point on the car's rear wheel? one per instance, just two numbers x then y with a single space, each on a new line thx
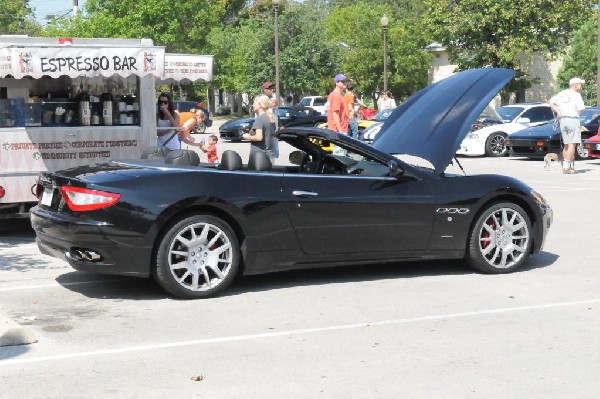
500 240
495 145
198 257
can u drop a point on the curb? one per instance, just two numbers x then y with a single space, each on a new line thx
12 333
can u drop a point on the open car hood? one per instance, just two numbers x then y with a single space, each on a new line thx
432 123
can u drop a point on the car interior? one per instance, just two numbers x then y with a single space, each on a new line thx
314 155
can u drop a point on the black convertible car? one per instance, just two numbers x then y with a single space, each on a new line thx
194 227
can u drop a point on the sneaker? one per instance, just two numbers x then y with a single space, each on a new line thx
568 171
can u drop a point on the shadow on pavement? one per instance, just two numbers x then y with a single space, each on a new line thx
131 288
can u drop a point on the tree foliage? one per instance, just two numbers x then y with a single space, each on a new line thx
582 59
359 27
498 33
180 26
16 18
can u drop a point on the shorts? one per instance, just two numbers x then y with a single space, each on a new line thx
570 131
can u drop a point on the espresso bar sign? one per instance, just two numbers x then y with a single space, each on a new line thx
79 61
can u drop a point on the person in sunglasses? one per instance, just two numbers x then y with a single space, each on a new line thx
337 114
167 117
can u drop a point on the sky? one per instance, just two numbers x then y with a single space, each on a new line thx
57 7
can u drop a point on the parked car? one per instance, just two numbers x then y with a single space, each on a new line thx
592 145
315 102
186 106
294 116
194 227
489 138
538 141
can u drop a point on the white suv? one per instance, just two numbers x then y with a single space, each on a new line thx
315 102
490 140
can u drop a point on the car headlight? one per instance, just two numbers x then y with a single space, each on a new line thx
472 136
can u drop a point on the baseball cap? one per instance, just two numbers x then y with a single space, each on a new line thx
267 85
339 77
574 81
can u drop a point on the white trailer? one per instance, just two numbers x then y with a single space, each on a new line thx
66 102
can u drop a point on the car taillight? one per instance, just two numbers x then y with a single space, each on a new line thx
2 191
83 199
38 190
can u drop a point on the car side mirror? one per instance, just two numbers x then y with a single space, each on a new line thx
395 169
523 120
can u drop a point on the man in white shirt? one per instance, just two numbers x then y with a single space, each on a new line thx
568 105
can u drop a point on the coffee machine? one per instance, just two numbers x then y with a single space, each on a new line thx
107 109
85 112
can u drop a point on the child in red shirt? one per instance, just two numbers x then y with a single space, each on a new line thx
211 148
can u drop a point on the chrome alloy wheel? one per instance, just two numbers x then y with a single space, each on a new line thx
200 257
496 145
504 238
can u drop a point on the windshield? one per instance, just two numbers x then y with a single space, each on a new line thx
508 113
589 115
488 115
305 102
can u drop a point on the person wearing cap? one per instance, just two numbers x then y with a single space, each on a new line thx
568 105
337 115
267 89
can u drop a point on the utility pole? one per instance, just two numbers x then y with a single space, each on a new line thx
75 7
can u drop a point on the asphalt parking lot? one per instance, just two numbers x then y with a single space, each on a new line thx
411 330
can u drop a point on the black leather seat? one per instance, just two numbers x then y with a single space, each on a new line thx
155 152
230 160
182 157
259 161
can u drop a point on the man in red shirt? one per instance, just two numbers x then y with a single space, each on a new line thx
337 114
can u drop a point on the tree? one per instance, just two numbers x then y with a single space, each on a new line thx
17 17
245 54
180 26
582 59
499 33
359 27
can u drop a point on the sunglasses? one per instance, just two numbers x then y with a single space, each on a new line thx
163 101
342 81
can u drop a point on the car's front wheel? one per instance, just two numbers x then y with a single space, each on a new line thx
582 152
500 240
197 257
495 145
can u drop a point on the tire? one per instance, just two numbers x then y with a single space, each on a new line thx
200 129
581 153
495 145
198 257
500 240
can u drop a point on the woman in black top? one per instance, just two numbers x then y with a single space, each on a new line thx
261 134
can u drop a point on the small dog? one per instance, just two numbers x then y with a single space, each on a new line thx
549 158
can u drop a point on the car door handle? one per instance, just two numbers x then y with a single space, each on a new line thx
301 193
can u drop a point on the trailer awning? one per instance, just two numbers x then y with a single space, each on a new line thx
74 61
187 67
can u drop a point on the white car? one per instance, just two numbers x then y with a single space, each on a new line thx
315 102
490 139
